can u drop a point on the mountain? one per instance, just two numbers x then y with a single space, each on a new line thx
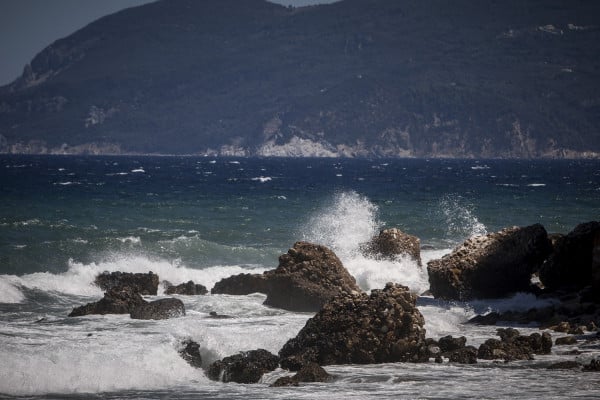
428 78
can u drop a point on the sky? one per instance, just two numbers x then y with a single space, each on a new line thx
28 26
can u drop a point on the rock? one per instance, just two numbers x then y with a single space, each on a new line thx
574 263
565 341
159 309
564 365
190 352
449 343
144 284
514 346
308 276
465 355
118 300
245 367
188 288
384 326
391 243
490 266
311 372
593 366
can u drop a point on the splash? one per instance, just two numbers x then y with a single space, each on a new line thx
459 218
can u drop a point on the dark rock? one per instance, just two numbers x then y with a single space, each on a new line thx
465 355
188 288
159 309
565 341
384 326
449 343
490 266
118 300
391 243
514 346
245 367
144 284
190 352
564 365
571 265
310 372
308 276
215 315
593 366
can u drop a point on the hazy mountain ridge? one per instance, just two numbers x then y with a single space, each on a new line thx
356 78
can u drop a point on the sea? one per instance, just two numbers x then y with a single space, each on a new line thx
65 219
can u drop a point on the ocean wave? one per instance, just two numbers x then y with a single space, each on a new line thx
459 218
262 179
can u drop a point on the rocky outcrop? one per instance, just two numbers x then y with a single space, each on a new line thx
575 261
189 288
489 266
308 276
245 367
190 352
159 309
357 328
392 243
514 346
144 284
118 300
454 349
311 372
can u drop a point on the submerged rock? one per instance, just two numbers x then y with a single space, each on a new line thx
311 372
189 288
490 266
384 326
117 300
391 243
159 309
144 284
308 276
245 367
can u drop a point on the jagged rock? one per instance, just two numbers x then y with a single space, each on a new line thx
465 355
593 366
159 309
308 276
144 284
311 372
489 266
575 262
245 367
514 346
391 243
118 300
188 288
190 352
449 343
358 328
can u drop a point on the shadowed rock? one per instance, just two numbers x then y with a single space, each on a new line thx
489 266
308 276
189 288
190 352
245 367
311 372
384 326
144 284
118 300
159 309
514 346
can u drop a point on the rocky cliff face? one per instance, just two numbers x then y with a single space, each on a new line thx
389 78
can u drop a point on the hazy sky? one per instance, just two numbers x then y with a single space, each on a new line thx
28 26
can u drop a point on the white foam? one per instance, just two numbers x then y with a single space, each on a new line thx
8 292
138 170
459 218
262 179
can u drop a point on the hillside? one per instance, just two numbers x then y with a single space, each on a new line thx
433 78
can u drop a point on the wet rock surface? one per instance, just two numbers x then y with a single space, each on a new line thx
311 372
357 328
490 266
245 367
190 352
188 288
514 346
118 300
308 276
159 309
144 284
